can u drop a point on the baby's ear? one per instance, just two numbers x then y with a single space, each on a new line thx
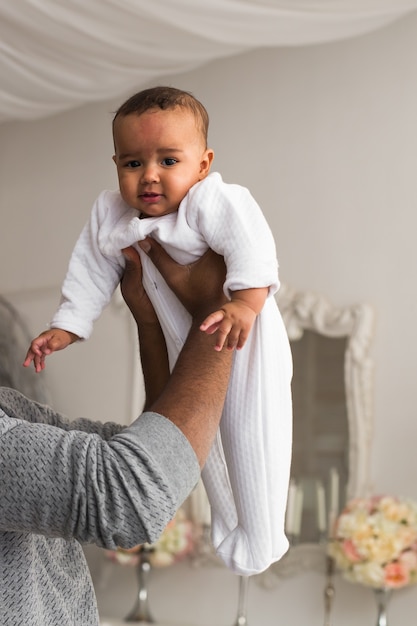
206 162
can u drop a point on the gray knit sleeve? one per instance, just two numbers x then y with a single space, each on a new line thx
72 484
15 404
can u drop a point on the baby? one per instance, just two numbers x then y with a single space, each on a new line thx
166 191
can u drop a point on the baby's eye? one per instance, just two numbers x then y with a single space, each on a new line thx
132 164
169 161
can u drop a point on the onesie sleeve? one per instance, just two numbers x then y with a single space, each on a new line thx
72 484
91 277
234 226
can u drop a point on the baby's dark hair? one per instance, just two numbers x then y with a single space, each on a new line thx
165 98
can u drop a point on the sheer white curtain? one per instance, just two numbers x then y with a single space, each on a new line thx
57 54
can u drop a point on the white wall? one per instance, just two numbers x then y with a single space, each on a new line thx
326 139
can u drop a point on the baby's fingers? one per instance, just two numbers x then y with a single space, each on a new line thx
242 339
38 350
39 363
233 339
29 358
211 323
222 337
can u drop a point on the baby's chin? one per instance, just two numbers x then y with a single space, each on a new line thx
145 214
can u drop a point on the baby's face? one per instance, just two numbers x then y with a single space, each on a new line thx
159 156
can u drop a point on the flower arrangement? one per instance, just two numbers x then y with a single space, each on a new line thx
375 542
176 542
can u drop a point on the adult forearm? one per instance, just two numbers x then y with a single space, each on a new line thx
194 395
154 360
152 346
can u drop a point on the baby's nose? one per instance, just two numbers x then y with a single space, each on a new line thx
150 174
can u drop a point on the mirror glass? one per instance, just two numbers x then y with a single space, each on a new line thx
320 427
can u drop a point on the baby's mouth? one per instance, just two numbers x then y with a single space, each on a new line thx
150 196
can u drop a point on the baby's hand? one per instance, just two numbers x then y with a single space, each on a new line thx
232 323
49 341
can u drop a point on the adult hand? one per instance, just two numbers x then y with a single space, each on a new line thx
198 285
134 292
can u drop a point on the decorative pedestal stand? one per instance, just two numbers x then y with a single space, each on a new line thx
140 614
241 619
382 598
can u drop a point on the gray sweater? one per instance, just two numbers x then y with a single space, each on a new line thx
63 483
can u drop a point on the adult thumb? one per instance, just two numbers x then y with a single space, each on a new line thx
159 257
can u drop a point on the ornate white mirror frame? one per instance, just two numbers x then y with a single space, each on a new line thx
310 311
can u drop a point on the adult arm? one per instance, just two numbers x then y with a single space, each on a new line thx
199 288
152 346
123 491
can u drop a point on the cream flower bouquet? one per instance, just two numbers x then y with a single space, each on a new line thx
375 542
175 543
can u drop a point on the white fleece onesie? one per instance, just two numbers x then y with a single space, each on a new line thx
247 473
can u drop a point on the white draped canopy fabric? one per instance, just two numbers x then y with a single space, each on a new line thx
59 54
